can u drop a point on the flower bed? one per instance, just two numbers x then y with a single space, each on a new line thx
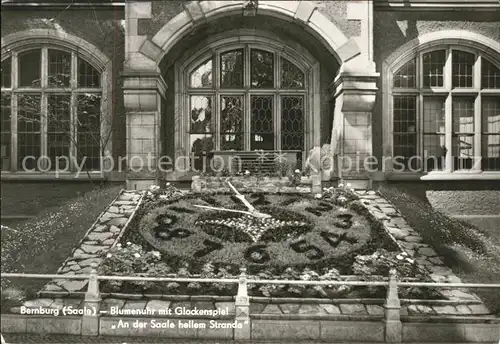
305 237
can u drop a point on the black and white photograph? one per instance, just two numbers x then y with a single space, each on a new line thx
250 171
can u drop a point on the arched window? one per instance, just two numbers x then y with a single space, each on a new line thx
51 111
245 98
446 111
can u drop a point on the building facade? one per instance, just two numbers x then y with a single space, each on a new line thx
362 90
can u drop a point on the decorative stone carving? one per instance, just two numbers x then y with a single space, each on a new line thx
250 8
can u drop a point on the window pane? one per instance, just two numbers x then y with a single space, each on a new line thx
490 74
5 132
463 152
29 68
406 75
292 123
59 68
231 69
463 114
89 131
491 115
202 76
231 126
58 130
463 132
6 72
433 65
405 130
261 69
201 138
463 65
491 133
201 114
434 117
491 153
28 131
202 146
291 75
88 76
262 126
434 152
434 143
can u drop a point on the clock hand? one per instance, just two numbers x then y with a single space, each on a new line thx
242 198
223 209
255 213
250 207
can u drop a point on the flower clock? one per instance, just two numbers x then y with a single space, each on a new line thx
255 229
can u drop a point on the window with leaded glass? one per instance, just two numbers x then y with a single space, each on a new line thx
6 72
54 99
245 98
202 76
231 66
58 129
88 130
491 133
463 132
28 131
5 123
447 117
406 76
433 68
30 68
201 129
231 123
405 128
59 68
434 132
262 123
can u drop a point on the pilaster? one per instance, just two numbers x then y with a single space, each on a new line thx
354 90
143 96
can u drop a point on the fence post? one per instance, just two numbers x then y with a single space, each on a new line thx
90 319
392 306
242 308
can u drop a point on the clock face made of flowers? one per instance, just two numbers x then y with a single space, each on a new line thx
276 229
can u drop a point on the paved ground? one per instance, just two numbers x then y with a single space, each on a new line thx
64 339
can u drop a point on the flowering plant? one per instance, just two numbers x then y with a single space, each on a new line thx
130 259
155 192
341 195
382 261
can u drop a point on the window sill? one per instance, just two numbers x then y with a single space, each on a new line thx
40 176
457 175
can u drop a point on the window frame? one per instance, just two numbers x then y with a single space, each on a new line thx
448 92
304 62
45 91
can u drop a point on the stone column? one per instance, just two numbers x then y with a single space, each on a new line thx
354 92
143 96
